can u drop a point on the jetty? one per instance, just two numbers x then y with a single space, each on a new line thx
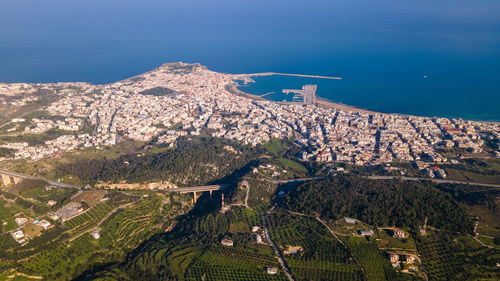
247 77
307 95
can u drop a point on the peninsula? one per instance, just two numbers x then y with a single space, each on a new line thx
195 100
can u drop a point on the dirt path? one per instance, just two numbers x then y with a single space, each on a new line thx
101 221
275 248
24 275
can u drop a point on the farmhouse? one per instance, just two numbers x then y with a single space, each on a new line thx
394 257
20 221
45 224
399 234
227 242
272 270
18 236
258 238
350 220
410 259
366 232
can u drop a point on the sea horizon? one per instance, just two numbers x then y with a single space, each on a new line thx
426 59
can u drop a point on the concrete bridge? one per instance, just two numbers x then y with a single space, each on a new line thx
196 189
9 178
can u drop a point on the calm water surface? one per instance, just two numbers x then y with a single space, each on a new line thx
382 49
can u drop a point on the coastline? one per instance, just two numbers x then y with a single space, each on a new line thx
233 89
321 102
325 103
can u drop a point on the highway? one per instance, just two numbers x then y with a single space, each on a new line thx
65 185
396 178
194 188
297 180
23 176
433 180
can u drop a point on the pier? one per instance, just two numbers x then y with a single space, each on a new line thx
307 95
246 77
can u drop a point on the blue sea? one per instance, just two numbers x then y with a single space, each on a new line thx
382 49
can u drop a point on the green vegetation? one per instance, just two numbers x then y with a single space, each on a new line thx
447 256
158 92
192 251
380 203
318 255
13 204
482 203
292 165
6 152
142 236
41 192
476 170
261 194
192 162
376 266
275 146
389 242
65 251
35 139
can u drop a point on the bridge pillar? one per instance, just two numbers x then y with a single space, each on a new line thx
17 180
6 180
194 197
210 194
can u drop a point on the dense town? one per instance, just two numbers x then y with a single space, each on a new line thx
183 99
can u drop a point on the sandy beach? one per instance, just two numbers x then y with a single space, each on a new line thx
321 102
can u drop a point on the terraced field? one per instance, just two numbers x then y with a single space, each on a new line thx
450 257
123 221
322 257
127 227
88 219
375 265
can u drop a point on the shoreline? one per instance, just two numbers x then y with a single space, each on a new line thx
325 103
248 75
320 102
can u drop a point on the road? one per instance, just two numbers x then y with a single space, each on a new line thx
23 176
429 179
396 178
276 250
480 242
297 180
246 197
194 188
333 233
66 185
101 221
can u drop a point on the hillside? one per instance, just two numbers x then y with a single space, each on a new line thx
380 203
